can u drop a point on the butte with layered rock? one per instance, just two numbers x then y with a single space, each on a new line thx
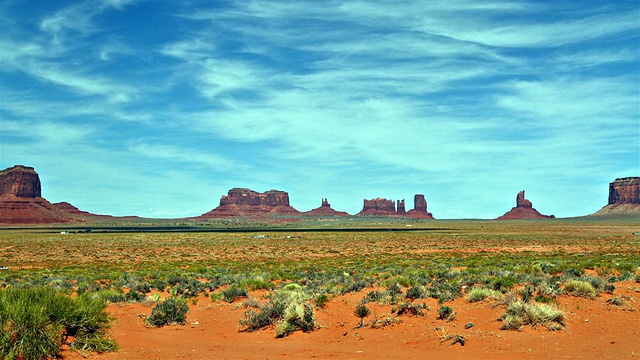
419 210
21 200
523 210
241 202
624 198
378 207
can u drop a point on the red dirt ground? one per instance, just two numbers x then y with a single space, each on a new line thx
595 330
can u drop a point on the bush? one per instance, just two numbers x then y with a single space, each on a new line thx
362 311
446 313
321 301
234 292
480 294
519 314
580 288
289 307
415 292
170 311
35 321
411 308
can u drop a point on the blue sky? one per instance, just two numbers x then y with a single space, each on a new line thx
158 108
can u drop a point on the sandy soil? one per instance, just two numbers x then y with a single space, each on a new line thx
595 330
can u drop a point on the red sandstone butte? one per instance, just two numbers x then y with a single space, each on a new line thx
21 201
325 210
523 211
624 198
241 202
378 206
419 210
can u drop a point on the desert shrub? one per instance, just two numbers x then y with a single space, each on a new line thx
288 307
373 296
321 301
112 296
446 313
444 291
415 292
134 296
35 321
519 314
504 284
411 308
361 311
171 311
580 288
480 294
258 283
233 292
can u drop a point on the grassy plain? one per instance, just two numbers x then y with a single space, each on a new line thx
432 263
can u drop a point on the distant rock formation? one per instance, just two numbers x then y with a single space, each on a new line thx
624 198
241 202
21 200
378 206
386 207
420 208
401 209
20 181
325 210
523 211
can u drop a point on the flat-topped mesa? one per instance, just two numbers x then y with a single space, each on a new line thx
523 210
625 191
401 209
419 208
378 206
246 202
241 196
325 210
20 181
624 198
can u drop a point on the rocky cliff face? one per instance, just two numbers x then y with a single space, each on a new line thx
240 202
325 210
625 191
624 198
21 201
20 181
524 210
378 206
420 208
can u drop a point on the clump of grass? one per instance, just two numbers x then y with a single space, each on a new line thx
288 307
35 321
519 314
580 288
446 313
170 311
480 294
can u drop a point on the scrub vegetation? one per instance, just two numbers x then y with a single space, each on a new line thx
520 266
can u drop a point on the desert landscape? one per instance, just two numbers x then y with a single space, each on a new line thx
255 278
278 179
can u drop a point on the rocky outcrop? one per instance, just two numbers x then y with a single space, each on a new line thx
325 210
21 201
419 208
378 206
625 191
624 198
401 209
523 211
20 181
241 202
